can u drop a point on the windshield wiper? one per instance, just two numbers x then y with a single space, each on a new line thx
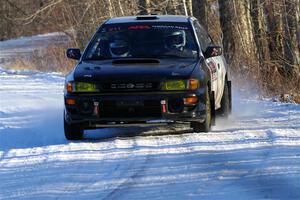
98 58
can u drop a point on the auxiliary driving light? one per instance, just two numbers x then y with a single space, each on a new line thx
191 100
70 101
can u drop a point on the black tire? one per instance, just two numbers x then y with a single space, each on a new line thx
73 131
225 109
206 125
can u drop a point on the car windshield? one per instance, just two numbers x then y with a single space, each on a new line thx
149 40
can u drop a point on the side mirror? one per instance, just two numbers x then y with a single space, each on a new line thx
73 53
213 51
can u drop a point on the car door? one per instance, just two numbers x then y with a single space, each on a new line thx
214 63
220 66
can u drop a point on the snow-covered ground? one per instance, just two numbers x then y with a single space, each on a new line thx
254 155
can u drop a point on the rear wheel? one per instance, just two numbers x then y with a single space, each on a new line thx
206 125
73 131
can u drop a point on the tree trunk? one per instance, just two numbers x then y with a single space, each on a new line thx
259 21
276 31
291 27
200 11
144 7
110 8
175 7
121 8
238 40
188 7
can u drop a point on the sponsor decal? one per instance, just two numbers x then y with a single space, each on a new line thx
213 70
169 27
215 52
139 27
131 86
114 28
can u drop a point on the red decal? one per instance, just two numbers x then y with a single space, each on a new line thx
163 106
215 52
138 27
96 108
164 109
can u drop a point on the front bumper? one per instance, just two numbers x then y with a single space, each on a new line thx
96 109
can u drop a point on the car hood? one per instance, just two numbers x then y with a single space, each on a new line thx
108 71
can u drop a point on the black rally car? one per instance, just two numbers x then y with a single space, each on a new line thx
145 70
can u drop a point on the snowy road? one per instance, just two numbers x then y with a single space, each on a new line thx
25 46
255 155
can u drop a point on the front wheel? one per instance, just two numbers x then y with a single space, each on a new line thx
73 131
206 125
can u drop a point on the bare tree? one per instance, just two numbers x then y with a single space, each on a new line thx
200 10
261 39
276 30
144 7
188 7
291 27
238 40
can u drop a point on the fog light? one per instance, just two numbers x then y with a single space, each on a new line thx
191 100
70 101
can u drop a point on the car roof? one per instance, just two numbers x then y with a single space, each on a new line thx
148 18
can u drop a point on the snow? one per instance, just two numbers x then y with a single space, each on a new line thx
254 155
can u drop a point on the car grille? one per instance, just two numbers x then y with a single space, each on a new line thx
130 86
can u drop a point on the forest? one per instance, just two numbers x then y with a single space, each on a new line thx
260 38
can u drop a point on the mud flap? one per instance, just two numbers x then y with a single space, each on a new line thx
213 108
230 96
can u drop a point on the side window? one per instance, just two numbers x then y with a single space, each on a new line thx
203 36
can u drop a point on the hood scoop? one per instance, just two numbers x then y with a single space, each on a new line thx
135 61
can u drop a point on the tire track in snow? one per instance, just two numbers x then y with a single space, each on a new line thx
117 193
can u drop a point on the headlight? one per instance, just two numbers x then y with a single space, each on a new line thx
191 84
85 87
174 85
81 87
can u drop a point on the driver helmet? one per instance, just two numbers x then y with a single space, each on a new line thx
176 40
119 46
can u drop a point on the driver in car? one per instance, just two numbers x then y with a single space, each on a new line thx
119 47
175 43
